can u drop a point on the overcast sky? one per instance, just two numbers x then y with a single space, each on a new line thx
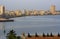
30 4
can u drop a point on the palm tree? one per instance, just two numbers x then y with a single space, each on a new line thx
11 35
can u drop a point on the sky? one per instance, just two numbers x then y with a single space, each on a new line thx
30 4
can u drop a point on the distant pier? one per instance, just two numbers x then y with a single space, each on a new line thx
6 20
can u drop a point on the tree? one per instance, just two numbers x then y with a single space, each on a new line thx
11 35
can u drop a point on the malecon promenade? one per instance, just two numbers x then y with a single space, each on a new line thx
43 36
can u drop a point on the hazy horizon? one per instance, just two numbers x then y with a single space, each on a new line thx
30 4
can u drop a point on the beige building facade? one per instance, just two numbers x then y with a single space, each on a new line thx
53 9
35 12
41 12
2 10
18 12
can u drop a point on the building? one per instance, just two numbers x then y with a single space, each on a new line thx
27 12
2 10
7 14
31 12
47 12
53 9
41 12
12 13
58 12
35 12
18 13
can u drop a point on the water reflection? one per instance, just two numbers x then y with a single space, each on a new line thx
2 30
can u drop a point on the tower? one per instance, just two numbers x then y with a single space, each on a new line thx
52 9
2 10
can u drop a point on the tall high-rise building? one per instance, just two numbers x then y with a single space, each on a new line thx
52 9
2 10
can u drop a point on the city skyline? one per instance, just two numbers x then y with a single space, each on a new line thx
29 4
52 11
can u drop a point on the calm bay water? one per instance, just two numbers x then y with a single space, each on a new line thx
32 24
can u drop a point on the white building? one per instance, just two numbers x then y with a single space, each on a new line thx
2 10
